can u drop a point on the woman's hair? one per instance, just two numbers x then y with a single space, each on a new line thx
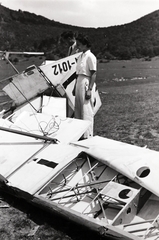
84 40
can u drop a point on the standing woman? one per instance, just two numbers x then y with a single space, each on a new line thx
86 76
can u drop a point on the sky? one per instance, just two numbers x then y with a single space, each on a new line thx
87 13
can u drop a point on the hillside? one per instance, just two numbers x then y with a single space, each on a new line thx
25 31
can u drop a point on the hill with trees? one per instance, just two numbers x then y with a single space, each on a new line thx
25 31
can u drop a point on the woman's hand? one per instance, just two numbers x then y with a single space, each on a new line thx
88 94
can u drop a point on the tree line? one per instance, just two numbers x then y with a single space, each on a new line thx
24 31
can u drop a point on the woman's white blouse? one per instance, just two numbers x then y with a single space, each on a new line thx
86 62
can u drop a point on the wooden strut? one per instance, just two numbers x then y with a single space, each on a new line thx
154 225
27 161
137 223
14 84
98 198
49 82
75 185
10 64
80 186
54 140
142 229
73 195
65 180
56 183
24 96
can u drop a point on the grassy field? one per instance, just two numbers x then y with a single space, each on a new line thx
130 111
129 92
6 70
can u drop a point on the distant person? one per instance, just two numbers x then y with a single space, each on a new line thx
86 76
69 38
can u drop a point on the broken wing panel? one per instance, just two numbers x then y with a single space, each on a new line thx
137 163
15 149
26 85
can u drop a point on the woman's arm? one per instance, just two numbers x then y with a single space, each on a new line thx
91 83
92 79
